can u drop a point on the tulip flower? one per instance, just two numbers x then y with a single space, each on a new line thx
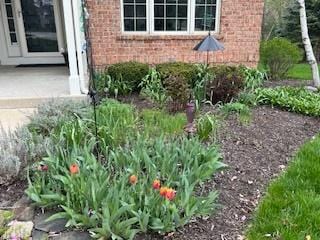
156 184
74 168
133 179
170 194
163 191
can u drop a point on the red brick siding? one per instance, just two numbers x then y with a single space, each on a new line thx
240 30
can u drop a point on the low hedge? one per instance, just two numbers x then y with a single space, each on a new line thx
187 71
130 73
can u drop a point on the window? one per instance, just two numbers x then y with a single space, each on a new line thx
135 15
170 16
11 23
205 15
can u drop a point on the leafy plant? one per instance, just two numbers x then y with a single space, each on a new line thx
242 111
228 81
106 200
178 90
254 78
207 127
279 55
297 100
153 89
199 87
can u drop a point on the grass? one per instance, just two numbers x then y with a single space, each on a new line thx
301 72
291 207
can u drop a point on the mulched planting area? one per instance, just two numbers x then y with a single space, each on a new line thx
256 153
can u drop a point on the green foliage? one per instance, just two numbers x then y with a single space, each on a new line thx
290 207
254 78
130 73
247 98
101 199
153 89
228 81
186 71
279 55
156 122
241 110
179 92
199 89
207 127
292 99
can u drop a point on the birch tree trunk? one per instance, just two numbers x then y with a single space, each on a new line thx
307 44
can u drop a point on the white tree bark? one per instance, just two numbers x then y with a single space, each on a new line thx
307 43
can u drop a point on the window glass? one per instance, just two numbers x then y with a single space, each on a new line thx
11 24
135 15
205 15
170 15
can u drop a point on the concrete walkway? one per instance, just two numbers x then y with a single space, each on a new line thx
10 119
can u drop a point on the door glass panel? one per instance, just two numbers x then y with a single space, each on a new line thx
39 25
11 22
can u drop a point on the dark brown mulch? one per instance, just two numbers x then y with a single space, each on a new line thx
12 193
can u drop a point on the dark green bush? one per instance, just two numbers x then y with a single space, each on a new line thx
187 71
179 92
279 55
226 84
130 73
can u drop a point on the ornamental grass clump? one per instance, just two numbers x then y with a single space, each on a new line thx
145 185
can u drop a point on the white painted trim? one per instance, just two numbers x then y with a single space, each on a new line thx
3 47
13 49
191 16
74 85
80 41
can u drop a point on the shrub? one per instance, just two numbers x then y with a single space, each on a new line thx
186 71
297 100
228 81
178 91
279 55
129 74
153 89
118 199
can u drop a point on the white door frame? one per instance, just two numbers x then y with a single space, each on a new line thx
13 49
22 33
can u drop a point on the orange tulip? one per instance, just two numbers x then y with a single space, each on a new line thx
156 184
74 168
133 179
163 191
170 194
43 168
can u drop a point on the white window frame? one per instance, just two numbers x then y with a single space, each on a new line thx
191 21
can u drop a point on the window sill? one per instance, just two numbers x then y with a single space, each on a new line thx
148 37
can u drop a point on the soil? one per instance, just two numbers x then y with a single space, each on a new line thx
256 153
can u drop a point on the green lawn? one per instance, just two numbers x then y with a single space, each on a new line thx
291 207
301 71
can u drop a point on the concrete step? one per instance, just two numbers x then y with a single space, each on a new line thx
33 102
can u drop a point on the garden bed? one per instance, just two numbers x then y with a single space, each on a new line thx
256 153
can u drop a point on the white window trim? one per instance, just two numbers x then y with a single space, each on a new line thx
150 21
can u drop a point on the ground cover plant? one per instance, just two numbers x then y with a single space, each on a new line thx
144 179
291 206
297 100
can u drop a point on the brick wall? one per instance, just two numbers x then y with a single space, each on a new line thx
240 30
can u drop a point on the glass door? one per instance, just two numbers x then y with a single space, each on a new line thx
40 23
